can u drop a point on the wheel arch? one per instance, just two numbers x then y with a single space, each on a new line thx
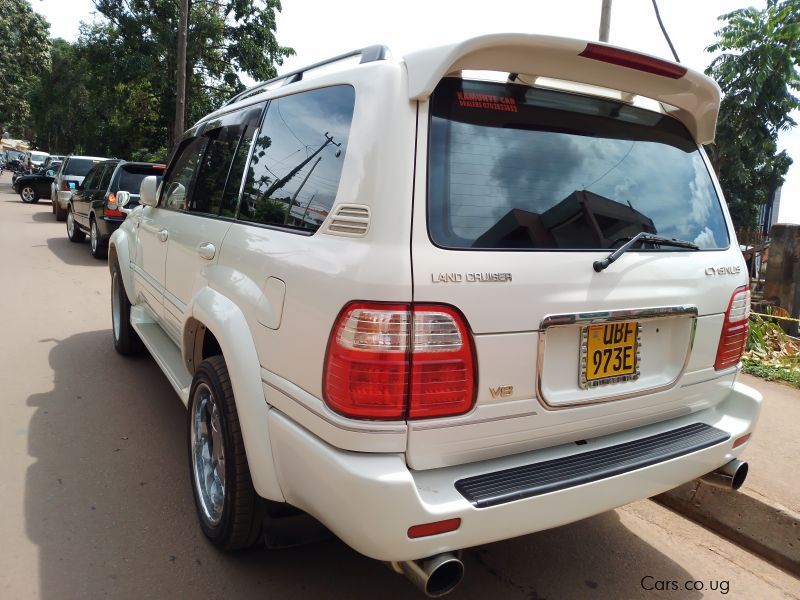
119 250
217 322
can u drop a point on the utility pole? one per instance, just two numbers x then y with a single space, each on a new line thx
294 197
284 180
605 20
180 97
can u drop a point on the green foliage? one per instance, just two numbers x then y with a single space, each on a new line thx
24 53
119 78
757 71
770 372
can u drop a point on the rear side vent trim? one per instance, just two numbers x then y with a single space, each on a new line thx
349 220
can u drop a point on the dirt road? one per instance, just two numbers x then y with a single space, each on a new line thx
95 494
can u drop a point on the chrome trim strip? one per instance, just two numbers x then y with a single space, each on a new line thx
610 316
421 426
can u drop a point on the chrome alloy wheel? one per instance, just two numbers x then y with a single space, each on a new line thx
116 304
93 236
70 225
27 194
208 454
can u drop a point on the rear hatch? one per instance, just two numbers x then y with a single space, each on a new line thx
129 178
519 191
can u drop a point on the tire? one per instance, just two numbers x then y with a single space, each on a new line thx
126 340
234 520
61 214
74 232
99 247
28 195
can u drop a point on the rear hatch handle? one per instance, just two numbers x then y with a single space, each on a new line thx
642 238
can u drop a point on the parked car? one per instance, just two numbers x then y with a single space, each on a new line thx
37 158
67 179
53 158
472 309
32 188
100 204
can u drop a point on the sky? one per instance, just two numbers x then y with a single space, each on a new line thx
318 29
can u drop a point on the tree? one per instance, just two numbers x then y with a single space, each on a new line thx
758 74
24 54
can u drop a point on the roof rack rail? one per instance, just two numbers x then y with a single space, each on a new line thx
367 54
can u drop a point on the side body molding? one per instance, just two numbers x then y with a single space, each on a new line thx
119 244
227 322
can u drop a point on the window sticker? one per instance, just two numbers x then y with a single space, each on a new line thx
486 101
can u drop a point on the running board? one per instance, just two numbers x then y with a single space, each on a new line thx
491 489
163 350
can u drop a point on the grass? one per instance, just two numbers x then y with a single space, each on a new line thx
771 372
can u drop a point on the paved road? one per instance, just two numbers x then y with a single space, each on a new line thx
96 500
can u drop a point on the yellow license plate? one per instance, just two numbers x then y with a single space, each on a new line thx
611 351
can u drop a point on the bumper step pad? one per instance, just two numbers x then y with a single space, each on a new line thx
507 485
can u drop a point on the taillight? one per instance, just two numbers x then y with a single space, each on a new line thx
65 185
395 361
111 209
633 60
733 339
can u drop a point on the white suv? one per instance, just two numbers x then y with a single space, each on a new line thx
435 310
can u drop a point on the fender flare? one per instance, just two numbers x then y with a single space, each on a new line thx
119 245
225 320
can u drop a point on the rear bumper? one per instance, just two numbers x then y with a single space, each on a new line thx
370 500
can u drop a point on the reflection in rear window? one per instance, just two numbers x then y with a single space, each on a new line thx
79 166
515 167
131 176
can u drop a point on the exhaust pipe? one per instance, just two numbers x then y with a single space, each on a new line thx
730 476
436 576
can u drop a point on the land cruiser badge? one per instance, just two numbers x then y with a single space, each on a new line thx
470 277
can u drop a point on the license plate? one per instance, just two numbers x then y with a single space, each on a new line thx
609 353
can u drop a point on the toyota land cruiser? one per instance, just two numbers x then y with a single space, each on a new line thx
480 291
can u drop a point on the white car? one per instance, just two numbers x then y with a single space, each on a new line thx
69 176
435 309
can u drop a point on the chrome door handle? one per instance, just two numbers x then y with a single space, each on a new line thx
206 250
163 235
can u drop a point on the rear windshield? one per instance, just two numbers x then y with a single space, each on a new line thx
515 167
130 177
79 166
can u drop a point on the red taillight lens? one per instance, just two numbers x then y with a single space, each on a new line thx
64 186
734 330
112 209
633 60
392 361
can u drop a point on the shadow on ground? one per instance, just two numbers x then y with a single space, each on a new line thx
73 253
109 504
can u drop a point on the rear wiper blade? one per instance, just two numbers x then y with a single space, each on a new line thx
643 238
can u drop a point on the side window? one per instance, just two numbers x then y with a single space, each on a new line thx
220 175
177 184
297 161
93 177
105 180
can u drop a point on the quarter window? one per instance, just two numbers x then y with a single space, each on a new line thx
297 161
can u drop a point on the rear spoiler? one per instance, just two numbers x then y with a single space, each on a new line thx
687 95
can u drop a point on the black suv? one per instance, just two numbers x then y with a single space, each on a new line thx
94 207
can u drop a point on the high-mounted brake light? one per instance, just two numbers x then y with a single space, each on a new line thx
734 329
633 60
396 361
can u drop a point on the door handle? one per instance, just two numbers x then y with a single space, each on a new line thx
163 235
206 250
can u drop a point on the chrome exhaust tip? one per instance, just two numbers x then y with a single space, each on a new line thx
436 576
730 476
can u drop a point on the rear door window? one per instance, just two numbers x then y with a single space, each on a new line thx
93 177
181 174
105 180
297 160
515 167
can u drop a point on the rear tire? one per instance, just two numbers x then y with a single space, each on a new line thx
126 340
61 214
228 508
73 231
99 247
28 195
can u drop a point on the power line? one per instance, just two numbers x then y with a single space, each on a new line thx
664 31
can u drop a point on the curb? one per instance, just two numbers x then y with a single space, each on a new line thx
769 530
